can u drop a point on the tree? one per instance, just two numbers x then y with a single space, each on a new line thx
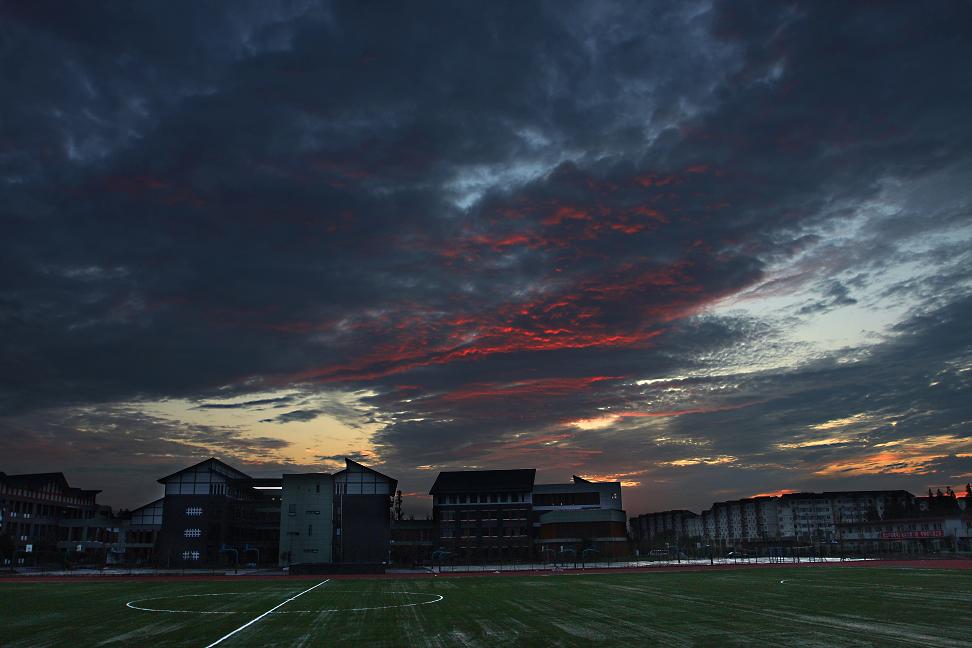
398 505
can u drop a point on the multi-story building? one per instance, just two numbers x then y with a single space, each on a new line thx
483 514
140 534
210 514
362 504
306 518
581 519
813 517
793 518
43 514
930 533
655 530
214 514
497 515
412 541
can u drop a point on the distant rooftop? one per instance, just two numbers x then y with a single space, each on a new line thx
484 480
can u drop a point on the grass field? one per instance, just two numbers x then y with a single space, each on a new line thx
819 606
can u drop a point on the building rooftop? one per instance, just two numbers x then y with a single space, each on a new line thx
36 481
484 480
220 466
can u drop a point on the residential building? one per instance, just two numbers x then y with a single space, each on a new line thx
788 519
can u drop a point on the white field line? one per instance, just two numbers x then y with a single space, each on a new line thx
276 607
381 607
132 605
436 598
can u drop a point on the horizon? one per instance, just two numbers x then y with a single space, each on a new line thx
705 249
410 510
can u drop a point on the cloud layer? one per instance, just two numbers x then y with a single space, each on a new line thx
710 249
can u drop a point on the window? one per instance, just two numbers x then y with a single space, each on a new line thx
312 512
292 511
310 530
190 555
317 487
192 533
194 511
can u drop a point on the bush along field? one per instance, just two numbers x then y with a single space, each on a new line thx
880 606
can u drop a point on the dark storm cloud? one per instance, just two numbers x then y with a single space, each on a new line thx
497 219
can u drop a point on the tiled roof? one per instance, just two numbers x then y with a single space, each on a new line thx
484 480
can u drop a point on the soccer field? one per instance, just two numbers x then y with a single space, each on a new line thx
809 606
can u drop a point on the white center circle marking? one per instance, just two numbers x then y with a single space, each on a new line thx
436 598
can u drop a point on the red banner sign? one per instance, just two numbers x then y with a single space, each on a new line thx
904 535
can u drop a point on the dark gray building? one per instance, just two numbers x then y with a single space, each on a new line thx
483 515
214 514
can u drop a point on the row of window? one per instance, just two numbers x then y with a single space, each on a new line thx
566 499
483 498
50 497
508 514
204 488
192 533
491 532
190 555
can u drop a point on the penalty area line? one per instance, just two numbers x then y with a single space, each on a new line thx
273 609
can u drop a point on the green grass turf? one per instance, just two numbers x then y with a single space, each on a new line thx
812 607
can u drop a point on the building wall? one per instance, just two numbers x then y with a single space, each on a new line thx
364 532
411 541
915 535
484 530
576 496
213 515
590 534
306 518
362 520
41 511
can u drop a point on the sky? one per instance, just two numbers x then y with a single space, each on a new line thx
707 249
